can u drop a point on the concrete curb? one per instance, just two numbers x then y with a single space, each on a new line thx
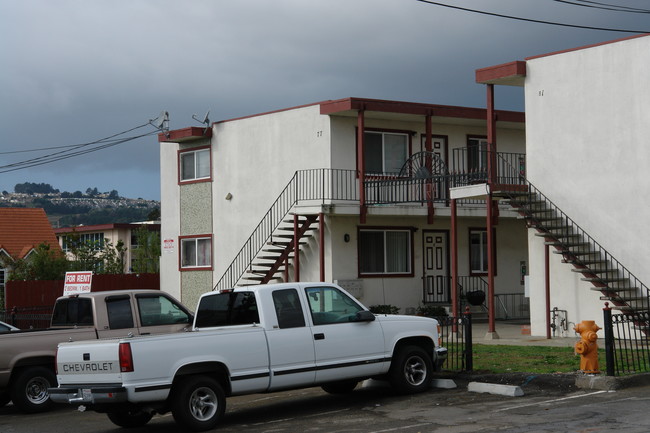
493 388
611 383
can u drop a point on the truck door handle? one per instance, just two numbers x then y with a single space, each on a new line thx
320 336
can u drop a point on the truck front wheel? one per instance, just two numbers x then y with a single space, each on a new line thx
198 403
130 418
29 392
411 370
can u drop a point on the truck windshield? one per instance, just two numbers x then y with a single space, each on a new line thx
226 309
73 311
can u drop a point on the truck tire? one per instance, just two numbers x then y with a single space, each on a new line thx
410 371
341 387
198 403
29 390
130 418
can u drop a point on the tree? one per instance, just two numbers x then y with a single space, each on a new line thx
154 215
44 263
146 257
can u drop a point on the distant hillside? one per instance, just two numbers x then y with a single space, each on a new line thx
66 209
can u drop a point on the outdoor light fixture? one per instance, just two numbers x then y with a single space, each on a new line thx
346 237
228 196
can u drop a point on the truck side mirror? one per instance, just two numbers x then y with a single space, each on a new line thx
364 316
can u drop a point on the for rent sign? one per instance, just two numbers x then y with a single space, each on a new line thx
77 282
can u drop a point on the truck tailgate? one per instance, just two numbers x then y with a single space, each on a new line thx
100 358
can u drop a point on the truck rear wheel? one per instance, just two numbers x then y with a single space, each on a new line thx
411 370
130 418
29 391
198 403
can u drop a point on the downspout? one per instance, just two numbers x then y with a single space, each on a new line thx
361 166
491 180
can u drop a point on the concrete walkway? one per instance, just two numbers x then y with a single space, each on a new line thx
514 333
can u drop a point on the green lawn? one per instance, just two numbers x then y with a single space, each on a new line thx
528 359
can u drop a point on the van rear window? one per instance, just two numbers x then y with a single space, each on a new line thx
225 309
73 311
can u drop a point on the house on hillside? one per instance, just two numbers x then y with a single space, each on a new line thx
587 129
99 234
21 231
362 187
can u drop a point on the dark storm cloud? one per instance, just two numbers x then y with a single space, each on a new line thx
77 71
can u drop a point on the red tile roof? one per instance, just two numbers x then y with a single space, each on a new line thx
22 229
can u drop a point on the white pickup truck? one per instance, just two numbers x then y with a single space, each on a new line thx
248 340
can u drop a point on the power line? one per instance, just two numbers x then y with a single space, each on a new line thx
606 6
73 150
530 19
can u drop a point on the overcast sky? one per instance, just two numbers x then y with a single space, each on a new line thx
74 72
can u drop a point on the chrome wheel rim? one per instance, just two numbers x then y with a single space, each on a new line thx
203 403
415 370
36 390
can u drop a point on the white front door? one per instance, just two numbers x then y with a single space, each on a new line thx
436 266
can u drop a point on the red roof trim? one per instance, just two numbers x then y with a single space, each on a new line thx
333 107
185 134
588 46
498 72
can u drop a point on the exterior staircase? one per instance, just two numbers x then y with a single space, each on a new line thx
577 248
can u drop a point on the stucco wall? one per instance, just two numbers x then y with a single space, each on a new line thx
170 220
588 123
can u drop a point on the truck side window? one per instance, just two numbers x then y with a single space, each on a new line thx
330 305
119 311
73 311
160 310
226 309
288 309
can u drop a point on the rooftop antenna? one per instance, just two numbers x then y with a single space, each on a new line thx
161 123
205 121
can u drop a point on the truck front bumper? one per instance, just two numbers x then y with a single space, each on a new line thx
439 357
88 395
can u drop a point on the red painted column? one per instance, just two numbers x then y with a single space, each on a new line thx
296 250
454 260
429 147
491 262
361 166
491 135
321 243
547 286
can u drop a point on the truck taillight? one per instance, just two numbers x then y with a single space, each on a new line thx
56 364
439 335
126 358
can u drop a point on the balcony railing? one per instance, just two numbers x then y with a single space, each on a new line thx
469 165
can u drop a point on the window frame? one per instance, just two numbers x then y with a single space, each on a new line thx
470 231
383 131
385 274
194 150
195 267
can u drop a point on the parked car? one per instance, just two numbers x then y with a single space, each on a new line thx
27 356
5 327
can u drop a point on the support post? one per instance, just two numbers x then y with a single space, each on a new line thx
609 340
296 249
491 334
428 146
454 261
547 289
469 360
321 243
361 166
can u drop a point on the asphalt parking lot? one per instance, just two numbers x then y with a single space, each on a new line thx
551 403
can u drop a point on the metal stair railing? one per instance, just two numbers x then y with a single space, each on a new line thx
316 185
579 248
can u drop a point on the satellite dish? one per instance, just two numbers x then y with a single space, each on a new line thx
159 121
205 120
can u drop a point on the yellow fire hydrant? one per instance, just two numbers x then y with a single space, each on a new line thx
587 347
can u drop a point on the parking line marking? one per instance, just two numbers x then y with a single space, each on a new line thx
402 427
551 401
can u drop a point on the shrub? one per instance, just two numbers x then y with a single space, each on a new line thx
384 309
